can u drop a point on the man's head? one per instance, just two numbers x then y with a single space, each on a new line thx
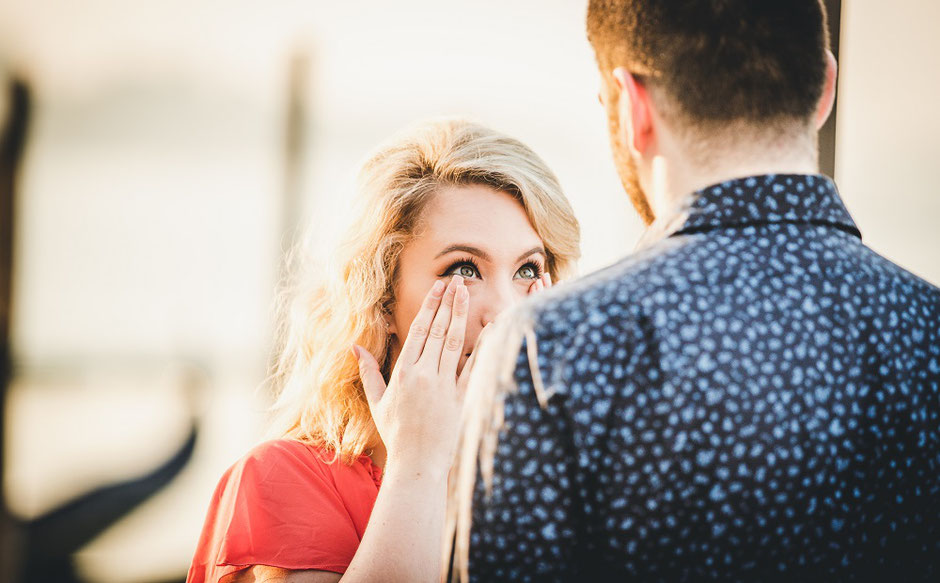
710 71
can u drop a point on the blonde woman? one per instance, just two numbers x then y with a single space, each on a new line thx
457 222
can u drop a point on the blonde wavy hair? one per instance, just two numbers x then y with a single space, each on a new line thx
320 399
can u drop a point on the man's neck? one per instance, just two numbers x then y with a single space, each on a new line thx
674 176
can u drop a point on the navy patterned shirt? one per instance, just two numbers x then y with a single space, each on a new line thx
754 398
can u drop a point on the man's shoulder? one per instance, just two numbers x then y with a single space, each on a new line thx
912 283
619 288
682 264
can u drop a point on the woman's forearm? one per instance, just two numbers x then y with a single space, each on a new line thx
416 412
403 539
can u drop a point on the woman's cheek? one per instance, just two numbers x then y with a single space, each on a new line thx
475 304
524 286
407 307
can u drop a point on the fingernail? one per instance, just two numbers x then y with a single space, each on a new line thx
462 293
457 280
438 287
355 351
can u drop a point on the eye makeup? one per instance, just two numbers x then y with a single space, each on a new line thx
465 262
536 268
469 263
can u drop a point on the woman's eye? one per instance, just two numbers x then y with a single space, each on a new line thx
527 272
464 270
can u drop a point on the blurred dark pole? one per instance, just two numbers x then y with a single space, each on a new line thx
12 141
827 135
295 144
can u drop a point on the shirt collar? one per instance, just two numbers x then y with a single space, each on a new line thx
771 198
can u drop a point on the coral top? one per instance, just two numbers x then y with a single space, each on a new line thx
284 506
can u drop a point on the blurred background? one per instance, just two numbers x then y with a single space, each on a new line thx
158 157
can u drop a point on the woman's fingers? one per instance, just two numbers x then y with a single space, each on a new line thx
453 343
464 377
544 282
418 332
438 331
370 375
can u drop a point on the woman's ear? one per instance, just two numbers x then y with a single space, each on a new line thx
387 319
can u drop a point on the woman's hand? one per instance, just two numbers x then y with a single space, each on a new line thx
417 414
541 283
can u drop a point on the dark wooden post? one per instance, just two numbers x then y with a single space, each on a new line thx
295 146
827 134
12 141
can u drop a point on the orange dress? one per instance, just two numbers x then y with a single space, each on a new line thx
284 506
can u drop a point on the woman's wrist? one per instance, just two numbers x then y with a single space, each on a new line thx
416 469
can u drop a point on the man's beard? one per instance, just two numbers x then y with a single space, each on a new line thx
626 168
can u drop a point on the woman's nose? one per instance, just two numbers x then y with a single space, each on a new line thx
498 298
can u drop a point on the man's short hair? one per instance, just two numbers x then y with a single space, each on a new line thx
718 60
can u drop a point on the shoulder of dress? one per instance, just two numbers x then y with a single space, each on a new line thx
277 447
278 452
281 463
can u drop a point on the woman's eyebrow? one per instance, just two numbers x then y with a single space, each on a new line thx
466 249
532 251
483 254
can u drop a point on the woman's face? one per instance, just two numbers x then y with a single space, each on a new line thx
476 232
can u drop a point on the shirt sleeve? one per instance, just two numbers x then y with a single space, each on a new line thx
552 502
526 527
278 506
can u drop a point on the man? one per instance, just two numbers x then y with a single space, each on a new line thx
756 395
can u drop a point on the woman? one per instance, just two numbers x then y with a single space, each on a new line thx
373 364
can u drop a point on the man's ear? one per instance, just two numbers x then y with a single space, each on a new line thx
635 106
828 97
